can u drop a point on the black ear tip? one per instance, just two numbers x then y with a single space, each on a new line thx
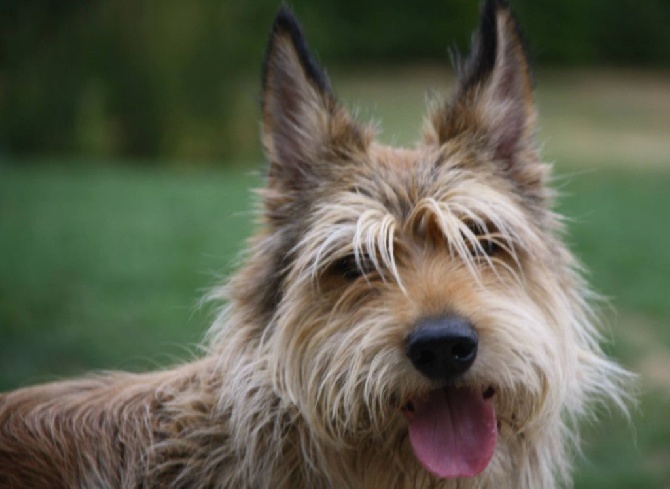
494 5
489 10
287 28
286 22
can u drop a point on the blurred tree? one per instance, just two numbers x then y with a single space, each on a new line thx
169 78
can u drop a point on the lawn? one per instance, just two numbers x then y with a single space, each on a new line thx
102 266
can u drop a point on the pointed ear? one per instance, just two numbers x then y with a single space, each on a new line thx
494 100
301 117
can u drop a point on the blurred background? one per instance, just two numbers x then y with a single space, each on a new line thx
129 140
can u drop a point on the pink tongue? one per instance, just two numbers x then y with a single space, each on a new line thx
453 432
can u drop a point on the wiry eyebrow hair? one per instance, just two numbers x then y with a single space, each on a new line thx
355 225
360 226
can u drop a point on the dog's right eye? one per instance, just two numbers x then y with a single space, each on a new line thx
487 240
348 268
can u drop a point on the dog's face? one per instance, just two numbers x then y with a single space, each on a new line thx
421 297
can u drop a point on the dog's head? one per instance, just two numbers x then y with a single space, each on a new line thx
424 291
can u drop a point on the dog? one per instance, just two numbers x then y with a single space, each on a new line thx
404 317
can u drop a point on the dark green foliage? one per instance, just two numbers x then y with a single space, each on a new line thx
170 78
597 32
126 77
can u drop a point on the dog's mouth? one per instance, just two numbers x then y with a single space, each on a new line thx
453 430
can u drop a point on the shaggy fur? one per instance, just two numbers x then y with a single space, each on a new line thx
305 378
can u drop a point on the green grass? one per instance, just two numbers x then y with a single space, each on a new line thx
102 267
618 227
616 230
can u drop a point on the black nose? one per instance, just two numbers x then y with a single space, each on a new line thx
442 348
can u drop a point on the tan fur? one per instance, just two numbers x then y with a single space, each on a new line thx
305 372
